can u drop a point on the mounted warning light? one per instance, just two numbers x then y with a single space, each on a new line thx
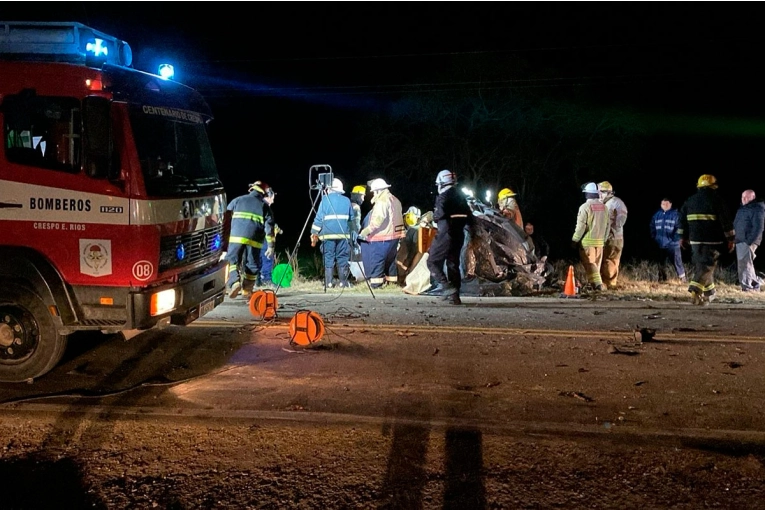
468 192
166 71
97 48
489 194
216 242
180 251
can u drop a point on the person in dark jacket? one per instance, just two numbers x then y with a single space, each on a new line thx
334 224
705 225
250 223
749 222
664 225
452 214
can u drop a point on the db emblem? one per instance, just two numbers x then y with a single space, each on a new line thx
142 270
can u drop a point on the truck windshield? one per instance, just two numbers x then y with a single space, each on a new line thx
174 151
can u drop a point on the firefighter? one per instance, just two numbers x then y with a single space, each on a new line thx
334 222
407 248
508 206
590 234
250 223
358 193
706 226
384 228
612 250
452 214
267 252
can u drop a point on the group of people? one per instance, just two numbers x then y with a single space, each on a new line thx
337 225
702 224
599 234
251 241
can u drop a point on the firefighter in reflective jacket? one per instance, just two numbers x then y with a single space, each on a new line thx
250 224
706 225
452 214
384 228
591 230
333 226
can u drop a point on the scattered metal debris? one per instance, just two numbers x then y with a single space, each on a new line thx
640 383
733 364
644 334
576 394
653 316
627 352
436 351
492 384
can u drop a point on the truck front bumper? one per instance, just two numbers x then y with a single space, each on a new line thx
194 297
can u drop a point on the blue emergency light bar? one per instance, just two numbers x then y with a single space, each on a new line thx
62 41
166 71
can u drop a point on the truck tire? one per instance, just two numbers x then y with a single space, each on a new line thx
30 345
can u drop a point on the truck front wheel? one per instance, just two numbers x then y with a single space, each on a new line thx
30 345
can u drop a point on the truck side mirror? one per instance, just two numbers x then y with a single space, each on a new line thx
97 138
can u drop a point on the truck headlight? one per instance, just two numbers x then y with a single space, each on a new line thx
162 302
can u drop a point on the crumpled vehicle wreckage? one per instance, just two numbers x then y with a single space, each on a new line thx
497 260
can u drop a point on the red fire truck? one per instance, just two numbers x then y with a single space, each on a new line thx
111 209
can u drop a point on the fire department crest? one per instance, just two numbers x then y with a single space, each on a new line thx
96 257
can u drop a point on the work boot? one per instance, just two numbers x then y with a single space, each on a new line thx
443 290
452 299
345 285
235 289
696 298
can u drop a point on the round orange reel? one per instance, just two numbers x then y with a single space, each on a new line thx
306 328
263 304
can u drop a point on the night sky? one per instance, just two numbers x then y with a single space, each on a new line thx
291 85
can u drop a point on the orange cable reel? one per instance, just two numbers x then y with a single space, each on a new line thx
263 304
306 328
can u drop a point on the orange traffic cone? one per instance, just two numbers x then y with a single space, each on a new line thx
569 290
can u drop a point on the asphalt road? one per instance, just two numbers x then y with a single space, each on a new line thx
433 393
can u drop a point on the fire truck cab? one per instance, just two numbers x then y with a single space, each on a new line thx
111 209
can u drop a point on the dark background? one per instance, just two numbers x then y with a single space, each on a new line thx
296 84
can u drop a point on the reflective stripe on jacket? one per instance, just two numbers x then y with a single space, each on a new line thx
335 218
704 219
248 220
386 220
591 223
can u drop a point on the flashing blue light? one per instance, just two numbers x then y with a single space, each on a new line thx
216 242
180 251
166 71
97 48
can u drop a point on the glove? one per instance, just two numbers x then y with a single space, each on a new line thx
361 237
731 246
684 244
575 245
269 252
314 240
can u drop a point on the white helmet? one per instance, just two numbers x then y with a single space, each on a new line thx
378 185
337 185
590 187
445 179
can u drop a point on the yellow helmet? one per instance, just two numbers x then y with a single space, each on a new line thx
359 189
504 193
605 186
412 215
707 181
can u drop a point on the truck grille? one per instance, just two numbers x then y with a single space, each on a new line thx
184 249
